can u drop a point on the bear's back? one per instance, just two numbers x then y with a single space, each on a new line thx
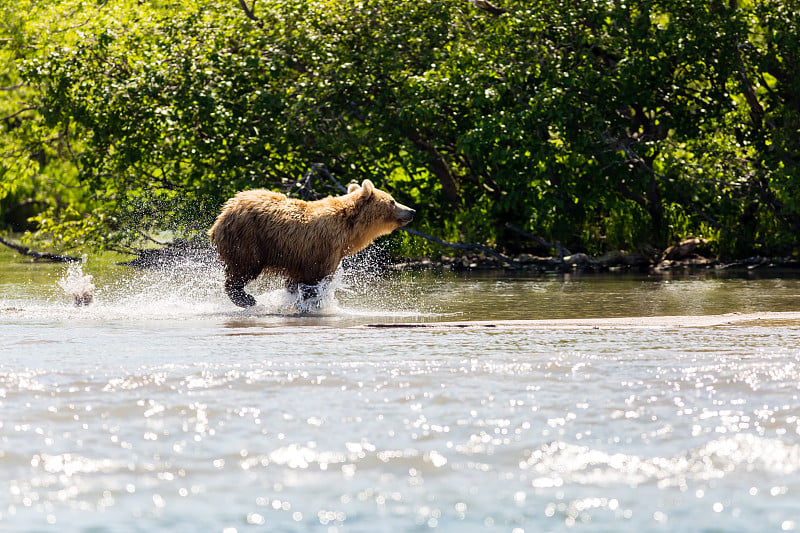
257 199
260 229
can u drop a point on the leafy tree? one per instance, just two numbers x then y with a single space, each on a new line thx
598 124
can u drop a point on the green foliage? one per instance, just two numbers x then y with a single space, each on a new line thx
597 124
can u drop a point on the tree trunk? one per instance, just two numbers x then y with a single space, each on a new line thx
439 166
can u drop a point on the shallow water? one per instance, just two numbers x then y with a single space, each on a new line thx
161 406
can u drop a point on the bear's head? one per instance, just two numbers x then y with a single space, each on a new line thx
377 213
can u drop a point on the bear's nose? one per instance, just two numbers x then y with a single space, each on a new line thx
406 215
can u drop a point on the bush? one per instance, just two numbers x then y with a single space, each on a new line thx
597 124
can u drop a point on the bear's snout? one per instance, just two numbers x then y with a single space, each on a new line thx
404 214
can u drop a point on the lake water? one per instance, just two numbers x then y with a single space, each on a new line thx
162 407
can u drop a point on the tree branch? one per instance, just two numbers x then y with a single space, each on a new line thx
439 165
756 111
460 246
557 246
633 158
55 258
249 12
488 7
12 115
304 188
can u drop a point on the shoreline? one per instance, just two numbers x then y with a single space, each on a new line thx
617 262
688 255
765 319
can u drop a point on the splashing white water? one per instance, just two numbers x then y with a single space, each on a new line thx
192 291
77 285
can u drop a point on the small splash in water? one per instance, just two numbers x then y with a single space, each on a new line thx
77 285
317 299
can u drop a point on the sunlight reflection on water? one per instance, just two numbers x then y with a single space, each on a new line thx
162 407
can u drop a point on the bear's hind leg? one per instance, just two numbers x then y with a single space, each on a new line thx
234 288
310 296
306 291
292 285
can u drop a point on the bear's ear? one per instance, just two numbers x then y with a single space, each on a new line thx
353 187
367 188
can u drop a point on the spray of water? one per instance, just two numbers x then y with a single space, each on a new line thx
190 289
78 286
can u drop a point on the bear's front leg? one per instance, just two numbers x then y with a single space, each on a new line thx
234 288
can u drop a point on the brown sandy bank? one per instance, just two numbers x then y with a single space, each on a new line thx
700 321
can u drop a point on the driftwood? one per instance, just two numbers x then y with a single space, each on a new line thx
40 256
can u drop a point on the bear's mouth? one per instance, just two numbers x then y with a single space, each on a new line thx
405 218
404 214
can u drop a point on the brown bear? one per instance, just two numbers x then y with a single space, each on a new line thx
260 230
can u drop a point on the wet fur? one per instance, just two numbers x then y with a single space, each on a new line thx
260 230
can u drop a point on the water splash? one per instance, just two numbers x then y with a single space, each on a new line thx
77 285
190 290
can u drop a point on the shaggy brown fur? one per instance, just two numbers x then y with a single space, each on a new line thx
259 230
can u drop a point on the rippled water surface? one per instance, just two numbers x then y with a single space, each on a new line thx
162 407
